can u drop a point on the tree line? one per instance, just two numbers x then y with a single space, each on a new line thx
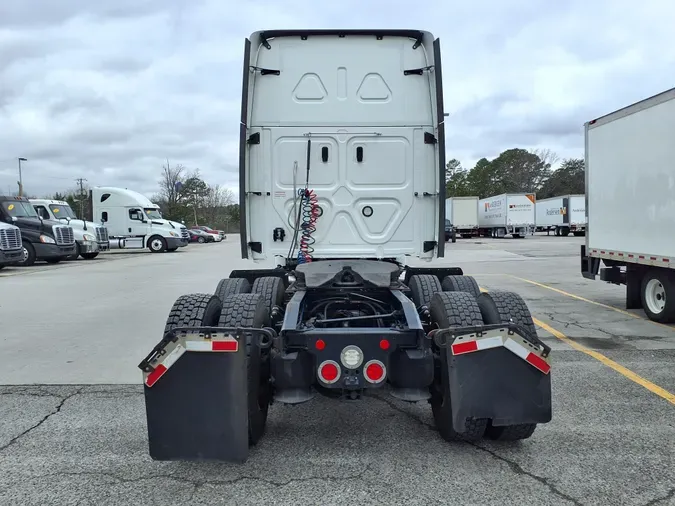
516 171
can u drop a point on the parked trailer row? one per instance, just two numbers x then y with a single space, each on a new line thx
629 186
562 215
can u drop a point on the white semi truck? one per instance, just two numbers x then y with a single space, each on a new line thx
509 213
630 202
134 222
463 215
91 239
564 215
342 177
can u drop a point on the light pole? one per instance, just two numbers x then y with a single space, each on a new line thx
21 159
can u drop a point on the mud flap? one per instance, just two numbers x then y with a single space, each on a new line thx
196 404
498 382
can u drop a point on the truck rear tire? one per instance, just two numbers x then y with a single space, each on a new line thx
89 256
461 284
453 309
271 289
658 295
423 287
504 307
193 310
248 310
232 286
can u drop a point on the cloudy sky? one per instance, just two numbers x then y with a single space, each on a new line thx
109 89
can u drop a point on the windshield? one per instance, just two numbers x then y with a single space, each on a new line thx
19 209
153 213
61 211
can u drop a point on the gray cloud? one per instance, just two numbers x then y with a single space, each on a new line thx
108 90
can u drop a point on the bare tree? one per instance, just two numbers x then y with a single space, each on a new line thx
167 183
547 156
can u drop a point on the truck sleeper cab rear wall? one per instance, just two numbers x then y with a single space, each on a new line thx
370 102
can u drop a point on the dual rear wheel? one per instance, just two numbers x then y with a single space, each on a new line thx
457 301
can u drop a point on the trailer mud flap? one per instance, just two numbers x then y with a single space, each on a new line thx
195 386
499 375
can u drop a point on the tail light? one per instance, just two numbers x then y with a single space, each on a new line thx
374 371
329 371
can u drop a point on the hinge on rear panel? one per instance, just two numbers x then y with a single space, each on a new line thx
254 138
429 138
429 246
255 246
264 72
418 71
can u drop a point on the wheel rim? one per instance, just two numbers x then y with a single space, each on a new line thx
25 254
156 244
655 296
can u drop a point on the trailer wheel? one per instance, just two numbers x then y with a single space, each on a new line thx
453 309
271 289
565 231
248 310
461 284
507 307
423 287
658 295
193 310
231 286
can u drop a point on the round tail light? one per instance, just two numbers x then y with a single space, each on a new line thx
329 371
374 371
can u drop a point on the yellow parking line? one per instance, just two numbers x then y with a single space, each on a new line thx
661 392
583 299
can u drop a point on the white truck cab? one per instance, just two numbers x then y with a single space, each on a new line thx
91 239
356 124
134 222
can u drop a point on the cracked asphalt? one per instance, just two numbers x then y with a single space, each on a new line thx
72 416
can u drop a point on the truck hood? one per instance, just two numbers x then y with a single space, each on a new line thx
35 224
168 223
79 224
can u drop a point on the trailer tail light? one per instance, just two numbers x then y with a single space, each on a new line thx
329 371
384 344
374 371
320 344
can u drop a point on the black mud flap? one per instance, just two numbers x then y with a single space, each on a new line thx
497 383
196 401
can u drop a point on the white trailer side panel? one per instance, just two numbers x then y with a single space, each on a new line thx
492 211
577 210
550 212
448 209
630 179
465 212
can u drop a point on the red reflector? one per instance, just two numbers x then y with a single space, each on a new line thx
224 345
329 372
466 347
384 344
320 344
538 362
155 375
374 371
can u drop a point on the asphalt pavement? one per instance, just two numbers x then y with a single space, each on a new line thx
72 416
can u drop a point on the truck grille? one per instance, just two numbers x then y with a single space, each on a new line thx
184 233
64 235
101 234
10 238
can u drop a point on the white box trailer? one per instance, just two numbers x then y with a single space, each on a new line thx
630 201
509 213
463 215
564 215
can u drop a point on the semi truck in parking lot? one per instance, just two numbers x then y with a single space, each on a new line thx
48 240
11 249
90 239
342 182
630 202
463 214
564 215
507 214
134 222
